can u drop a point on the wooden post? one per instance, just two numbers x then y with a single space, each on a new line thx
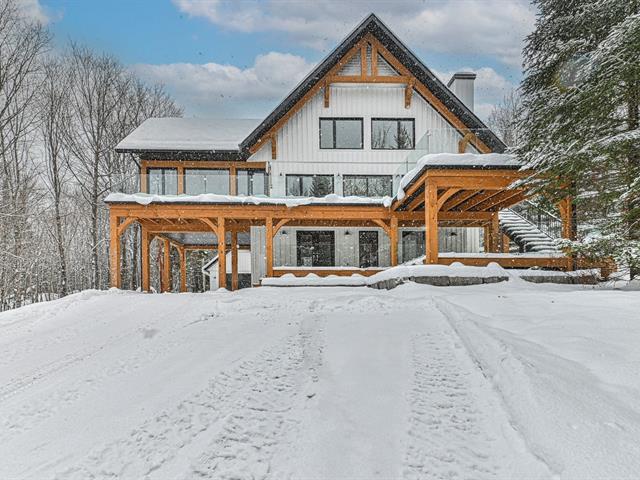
183 269
222 254
144 257
234 260
506 243
393 240
114 251
431 222
487 238
166 266
180 180
269 246
144 177
566 214
494 232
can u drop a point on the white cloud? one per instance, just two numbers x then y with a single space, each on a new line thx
478 27
213 89
33 10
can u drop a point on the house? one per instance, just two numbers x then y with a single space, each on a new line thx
369 161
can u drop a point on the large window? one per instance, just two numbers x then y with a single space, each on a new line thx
368 185
309 185
315 248
413 245
201 180
252 182
163 181
368 248
341 133
392 133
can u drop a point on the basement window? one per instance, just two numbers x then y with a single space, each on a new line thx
341 133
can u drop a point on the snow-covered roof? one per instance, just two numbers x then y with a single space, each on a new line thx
188 134
458 161
212 198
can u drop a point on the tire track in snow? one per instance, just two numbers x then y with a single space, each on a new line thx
243 411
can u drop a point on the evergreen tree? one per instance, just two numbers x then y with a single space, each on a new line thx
581 95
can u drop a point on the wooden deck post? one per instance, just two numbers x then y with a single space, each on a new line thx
144 258
566 214
234 260
393 240
506 243
222 254
431 222
183 269
166 266
269 246
494 232
115 251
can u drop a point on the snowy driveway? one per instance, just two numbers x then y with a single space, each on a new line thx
418 382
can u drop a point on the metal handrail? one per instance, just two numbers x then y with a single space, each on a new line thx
547 222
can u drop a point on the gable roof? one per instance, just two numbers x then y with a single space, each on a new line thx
187 134
374 26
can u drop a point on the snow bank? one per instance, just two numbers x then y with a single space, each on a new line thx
457 160
313 280
212 198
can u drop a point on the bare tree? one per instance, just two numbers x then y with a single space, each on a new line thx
504 119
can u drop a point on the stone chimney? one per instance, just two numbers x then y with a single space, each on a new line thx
461 84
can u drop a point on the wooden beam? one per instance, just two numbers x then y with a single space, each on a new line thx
180 179
395 79
183 269
327 93
234 261
363 60
431 222
269 246
393 241
408 92
233 180
383 225
374 61
506 243
455 216
477 199
222 254
497 199
114 251
281 223
274 146
209 164
166 266
450 192
494 232
464 141
145 241
123 226
144 177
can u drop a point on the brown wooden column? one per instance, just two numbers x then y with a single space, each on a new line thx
269 246
180 180
431 222
145 241
393 239
234 260
494 233
506 243
183 269
114 252
222 254
166 266
566 214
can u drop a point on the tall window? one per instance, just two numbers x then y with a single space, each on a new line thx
367 185
368 248
392 133
338 133
315 248
413 245
251 182
309 185
202 180
163 181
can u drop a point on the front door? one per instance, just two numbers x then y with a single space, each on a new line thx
368 248
316 248
412 245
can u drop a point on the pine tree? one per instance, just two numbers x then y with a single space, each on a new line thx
581 95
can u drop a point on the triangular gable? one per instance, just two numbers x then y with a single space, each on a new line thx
394 59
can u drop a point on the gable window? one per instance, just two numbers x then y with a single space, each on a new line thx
337 133
392 133
206 180
251 182
309 185
367 185
163 181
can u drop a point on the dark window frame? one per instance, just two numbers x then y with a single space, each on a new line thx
367 177
375 253
300 176
250 173
314 234
397 120
163 170
333 121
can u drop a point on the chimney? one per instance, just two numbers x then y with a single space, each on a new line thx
461 84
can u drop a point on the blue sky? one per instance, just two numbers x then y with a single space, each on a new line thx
237 59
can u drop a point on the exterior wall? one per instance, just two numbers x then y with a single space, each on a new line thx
298 142
347 248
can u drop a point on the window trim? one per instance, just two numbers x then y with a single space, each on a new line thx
333 121
301 175
164 171
367 177
397 120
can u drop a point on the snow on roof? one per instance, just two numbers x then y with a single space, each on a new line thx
459 161
212 198
191 134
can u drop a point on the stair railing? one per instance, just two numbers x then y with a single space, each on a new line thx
547 222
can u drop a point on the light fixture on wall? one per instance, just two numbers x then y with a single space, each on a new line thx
347 233
284 232
453 234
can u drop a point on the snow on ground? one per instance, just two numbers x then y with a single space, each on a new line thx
510 380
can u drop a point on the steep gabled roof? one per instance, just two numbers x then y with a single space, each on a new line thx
374 26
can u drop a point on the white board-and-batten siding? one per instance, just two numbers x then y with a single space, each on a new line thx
298 141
